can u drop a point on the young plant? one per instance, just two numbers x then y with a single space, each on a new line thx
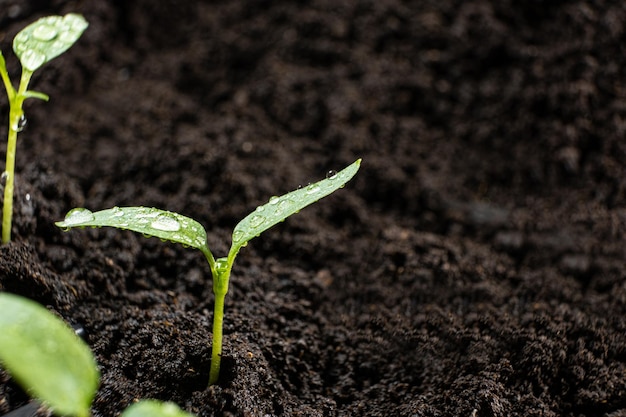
54 365
35 45
180 229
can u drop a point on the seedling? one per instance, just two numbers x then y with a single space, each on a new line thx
35 45
177 228
54 365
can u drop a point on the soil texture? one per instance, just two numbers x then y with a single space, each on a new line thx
474 266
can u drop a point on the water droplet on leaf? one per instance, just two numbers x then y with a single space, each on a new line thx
165 223
21 37
78 216
221 265
274 199
331 175
77 22
32 59
257 220
312 188
283 205
69 36
45 33
237 235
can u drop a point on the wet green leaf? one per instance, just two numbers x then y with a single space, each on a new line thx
148 221
47 38
279 208
46 357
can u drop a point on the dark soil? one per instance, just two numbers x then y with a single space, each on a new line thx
474 267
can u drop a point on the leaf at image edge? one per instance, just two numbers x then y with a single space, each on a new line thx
46 357
154 408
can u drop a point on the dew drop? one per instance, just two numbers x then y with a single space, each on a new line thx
32 59
237 235
200 241
283 205
79 330
78 216
45 32
312 188
20 125
274 199
257 220
331 175
20 47
51 20
69 36
4 177
260 209
21 37
117 212
77 22
221 265
58 44
165 223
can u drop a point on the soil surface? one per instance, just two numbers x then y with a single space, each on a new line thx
474 266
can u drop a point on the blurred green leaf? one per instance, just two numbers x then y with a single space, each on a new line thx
153 408
46 357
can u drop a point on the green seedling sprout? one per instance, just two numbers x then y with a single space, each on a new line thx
46 357
174 227
35 45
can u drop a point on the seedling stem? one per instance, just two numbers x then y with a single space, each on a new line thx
175 227
34 45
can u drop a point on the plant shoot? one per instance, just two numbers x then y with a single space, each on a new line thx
176 228
35 45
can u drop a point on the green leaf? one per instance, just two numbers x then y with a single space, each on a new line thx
148 221
47 38
279 208
46 357
154 408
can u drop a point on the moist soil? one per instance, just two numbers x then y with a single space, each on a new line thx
473 267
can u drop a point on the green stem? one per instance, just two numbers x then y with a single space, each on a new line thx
7 208
218 326
15 115
220 268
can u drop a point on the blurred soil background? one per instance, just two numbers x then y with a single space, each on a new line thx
474 267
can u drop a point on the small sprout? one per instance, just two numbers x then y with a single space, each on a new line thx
53 364
34 45
45 355
180 229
